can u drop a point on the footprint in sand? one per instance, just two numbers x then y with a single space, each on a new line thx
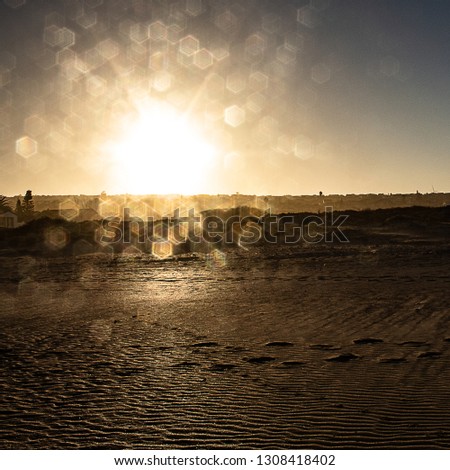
368 341
429 355
222 367
186 364
260 360
128 372
206 344
292 364
324 347
392 360
414 344
342 357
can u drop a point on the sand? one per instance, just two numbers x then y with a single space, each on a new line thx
290 347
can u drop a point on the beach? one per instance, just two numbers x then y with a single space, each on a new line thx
294 347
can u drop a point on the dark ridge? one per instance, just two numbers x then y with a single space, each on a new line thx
381 226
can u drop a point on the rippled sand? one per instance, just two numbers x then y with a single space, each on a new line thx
326 347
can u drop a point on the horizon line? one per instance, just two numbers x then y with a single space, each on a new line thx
172 195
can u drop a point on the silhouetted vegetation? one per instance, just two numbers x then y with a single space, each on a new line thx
4 206
27 206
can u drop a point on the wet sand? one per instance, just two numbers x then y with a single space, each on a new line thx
320 347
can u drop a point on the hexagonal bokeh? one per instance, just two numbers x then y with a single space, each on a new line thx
50 35
156 61
138 208
96 86
162 250
174 33
26 147
157 31
66 56
227 21
109 208
87 19
92 59
69 209
320 73
286 55
189 45
136 52
139 32
234 116
35 125
55 19
56 238
258 81
271 23
255 45
203 59
308 16
236 82
108 48
294 40
220 50
194 7
64 37
46 59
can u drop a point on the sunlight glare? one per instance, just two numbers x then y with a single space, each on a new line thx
160 151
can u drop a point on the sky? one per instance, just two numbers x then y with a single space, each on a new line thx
220 96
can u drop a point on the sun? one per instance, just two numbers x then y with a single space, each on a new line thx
159 150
